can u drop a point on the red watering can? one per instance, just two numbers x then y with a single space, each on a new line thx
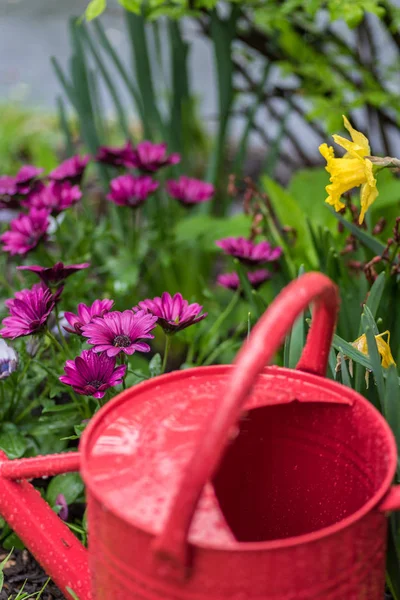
229 482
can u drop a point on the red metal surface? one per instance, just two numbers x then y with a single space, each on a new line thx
40 466
238 482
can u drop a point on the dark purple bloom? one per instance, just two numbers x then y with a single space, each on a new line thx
55 197
127 190
71 169
248 252
25 232
92 374
116 156
29 311
117 332
86 314
56 274
190 191
63 507
149 157
8 191
232 281
26 179
173 312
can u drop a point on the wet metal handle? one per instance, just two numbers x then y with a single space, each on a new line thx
265 339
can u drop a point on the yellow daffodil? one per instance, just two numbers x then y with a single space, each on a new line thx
352 170
383 347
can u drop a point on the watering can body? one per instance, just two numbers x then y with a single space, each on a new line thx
243 482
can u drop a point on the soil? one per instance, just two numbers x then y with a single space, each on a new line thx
22 567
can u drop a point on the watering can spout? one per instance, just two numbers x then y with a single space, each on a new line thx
55 547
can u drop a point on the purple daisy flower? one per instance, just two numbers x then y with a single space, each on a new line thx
248 252
8 192
232 281
173 312
29 311
190 191
55 197
117 332
86 313
62 504
71 169
26 179
92 374
116 156
127 190
25 232
149 157
56 274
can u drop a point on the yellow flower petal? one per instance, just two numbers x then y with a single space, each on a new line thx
358 138
383 347
368 196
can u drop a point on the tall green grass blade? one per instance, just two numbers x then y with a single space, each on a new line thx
375 294
222 31
374 358
332 363
275 147
351 352
367 240
112 89
63 120
152 122
344 370
103 39
247 289
65 84
242 148
297 335
392 402
180 85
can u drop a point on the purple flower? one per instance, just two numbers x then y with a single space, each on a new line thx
248 252
71 169
91 374
26 179
55 197
232 281
62 504
190 191
86 314
56 274
127 190
116 156
117 332
173 312
29 311
149 157
25 232
8 191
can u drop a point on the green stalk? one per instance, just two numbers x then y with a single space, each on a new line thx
166 352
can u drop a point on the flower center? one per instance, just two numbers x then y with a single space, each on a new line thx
96 384
122 341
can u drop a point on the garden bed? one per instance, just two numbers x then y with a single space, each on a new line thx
20 568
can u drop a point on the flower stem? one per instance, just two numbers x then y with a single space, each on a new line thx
60 333
55 342
166 351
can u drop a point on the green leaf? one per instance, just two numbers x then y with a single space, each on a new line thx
95 8
374 357
367 240
344 370
351 352
68 484
132 5
392 402
375 294
155 365
13 444
12 541
3 562
204 230
310 183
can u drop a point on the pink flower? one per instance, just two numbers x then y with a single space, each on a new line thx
56 197
117 332
26 179
29 311
149 157
232 281
248 252
25 232
116 156
71 169
92 374
190 191
8 192
173 312
86 314
63 506
127 190
56 274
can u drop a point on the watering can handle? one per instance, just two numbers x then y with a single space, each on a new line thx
265 339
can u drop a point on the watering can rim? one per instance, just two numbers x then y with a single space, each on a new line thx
126 395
